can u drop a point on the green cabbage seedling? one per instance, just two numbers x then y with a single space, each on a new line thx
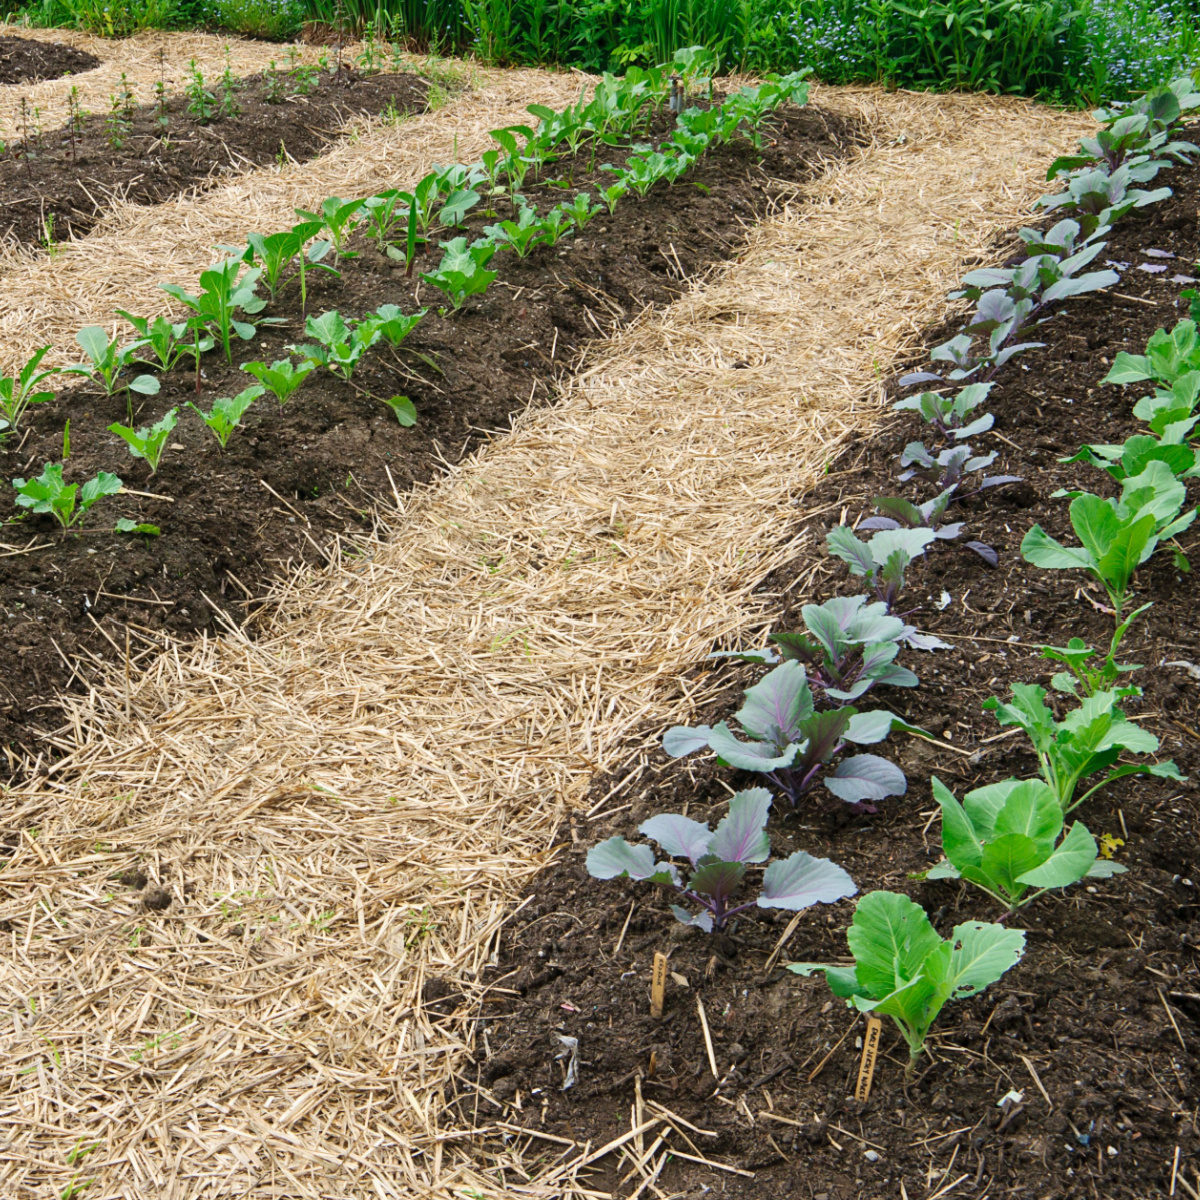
281 378
393 325
107 360
148 443
1002 839
719 861
338 216
164 338
224 291
1089 739
462 271
904 970
1118 535
18 392
1093 679
67 503
1168 357
227 412
521 235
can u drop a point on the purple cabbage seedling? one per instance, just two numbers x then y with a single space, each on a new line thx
793 745
898 513
718 864
882 561
851 647
948 414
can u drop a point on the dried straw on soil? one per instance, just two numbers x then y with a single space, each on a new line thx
47 300
137 57
344 810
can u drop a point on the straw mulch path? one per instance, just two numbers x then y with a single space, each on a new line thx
138 58
344 810
132 250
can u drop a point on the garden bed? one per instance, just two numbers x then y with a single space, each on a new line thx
294 478
60 182
24 60
1100 1010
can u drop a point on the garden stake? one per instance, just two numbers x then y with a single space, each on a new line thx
866 1070
658 983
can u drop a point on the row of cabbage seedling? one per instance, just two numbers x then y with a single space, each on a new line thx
1008 838
228 303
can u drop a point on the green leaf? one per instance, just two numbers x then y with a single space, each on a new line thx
890 937
1040 549
1008 856
981 954
1069 863
960 839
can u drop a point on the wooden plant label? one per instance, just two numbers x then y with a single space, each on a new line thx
658 984
866 1069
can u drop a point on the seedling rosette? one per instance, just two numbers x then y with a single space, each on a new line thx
904 970
1089 740
718 864
883 560
851 647
1004 838
66 502
793 745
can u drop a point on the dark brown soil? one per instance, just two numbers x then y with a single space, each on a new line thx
292 479
25 60
1087 1008
71 181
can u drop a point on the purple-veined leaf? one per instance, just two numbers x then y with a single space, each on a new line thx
866 777
915 377
879 523
986 552
866 728
926 641
702 920
824 730
949 532
981 426
718 880
749 756
614 857
800 880
741 836
679 836
777 703
989 481
686 739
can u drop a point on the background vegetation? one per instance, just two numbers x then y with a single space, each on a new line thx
1070 51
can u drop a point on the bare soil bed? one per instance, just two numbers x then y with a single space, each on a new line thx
1096 1027
26 60
59 183
294 479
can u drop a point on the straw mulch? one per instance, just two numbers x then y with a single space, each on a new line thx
138 58
344 810
47 300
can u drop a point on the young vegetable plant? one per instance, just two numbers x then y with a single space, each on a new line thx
224 291
1089 740
1101 197
227 412
339 346
392 324
148 443
522 235
106 362
882 561
1004 839
276 252
339 217
850 648
1168 357
18 392
1080 676
1117 535
718 864
166 341
462 271
67 503
904 970
948 414
792 744
898 513
281 378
